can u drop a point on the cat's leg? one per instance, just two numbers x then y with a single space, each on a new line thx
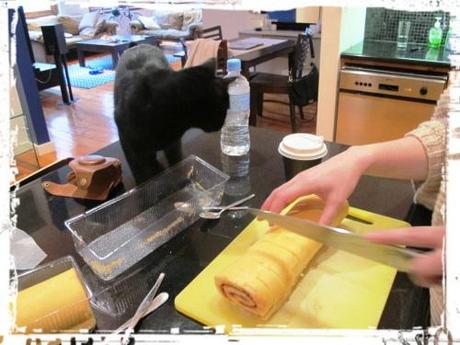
173 152
141 157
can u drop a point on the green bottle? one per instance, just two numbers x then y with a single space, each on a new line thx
435 35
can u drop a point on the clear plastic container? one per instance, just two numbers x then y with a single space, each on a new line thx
120 297
55 307
117 234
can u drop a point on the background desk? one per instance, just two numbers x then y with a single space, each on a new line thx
279 63
271 49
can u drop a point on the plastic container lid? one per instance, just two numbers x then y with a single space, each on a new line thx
302 146
233 65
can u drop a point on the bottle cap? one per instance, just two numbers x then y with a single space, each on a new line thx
233 65
437 23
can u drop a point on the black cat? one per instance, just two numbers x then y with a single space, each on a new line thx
155 105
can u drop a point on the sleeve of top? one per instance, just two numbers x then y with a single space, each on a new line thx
432 135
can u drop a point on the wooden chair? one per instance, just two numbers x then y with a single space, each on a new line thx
263 83
213 32
222 56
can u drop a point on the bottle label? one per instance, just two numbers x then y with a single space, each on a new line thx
239 103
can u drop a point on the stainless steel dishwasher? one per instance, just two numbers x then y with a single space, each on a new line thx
377 105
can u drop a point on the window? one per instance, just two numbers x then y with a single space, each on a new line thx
34 8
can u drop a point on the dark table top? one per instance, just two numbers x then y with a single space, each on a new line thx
387 51
183 257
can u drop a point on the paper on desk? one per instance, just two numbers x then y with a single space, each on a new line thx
25 251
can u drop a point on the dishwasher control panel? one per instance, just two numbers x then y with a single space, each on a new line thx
392 83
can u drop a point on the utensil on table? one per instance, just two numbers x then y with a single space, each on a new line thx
157 302
218 208
148 300
216 215
394 256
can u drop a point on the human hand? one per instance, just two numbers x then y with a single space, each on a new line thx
426 270
333 181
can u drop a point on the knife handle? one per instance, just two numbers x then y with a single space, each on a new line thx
360 216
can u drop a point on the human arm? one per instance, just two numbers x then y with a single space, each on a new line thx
335 179
427 268
403 159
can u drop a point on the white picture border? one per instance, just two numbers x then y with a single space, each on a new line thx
452 247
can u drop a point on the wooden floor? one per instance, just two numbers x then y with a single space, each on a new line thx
88 125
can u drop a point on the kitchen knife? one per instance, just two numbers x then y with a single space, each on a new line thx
343 239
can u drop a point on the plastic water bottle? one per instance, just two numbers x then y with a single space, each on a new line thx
234 139
453 39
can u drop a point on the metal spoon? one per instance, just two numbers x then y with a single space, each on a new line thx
216 215
157 302
218 208
129 325
145 304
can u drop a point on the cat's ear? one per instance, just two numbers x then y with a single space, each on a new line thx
210 65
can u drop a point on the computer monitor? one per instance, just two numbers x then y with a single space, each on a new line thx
287 20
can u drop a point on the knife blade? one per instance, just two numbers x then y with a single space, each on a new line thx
343 239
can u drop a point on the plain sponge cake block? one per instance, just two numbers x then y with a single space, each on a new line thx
56 304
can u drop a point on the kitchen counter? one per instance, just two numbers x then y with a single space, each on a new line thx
42 216
385 51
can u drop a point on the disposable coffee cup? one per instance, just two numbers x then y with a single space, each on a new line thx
301 151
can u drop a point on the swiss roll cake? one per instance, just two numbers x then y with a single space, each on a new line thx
263 278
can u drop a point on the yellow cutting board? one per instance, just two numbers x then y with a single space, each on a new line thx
337 290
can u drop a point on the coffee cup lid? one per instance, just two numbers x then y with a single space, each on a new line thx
302 146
